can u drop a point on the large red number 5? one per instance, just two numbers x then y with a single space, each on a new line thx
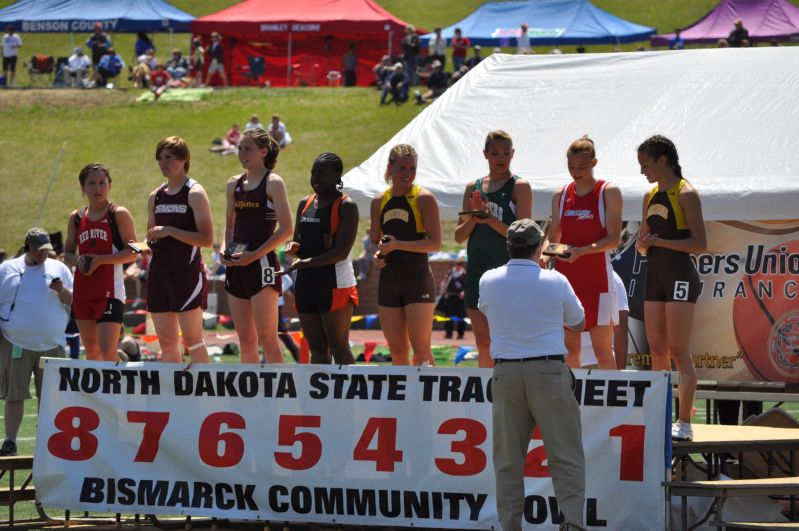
385 454
310 444
474 459
60 444
533 464
154 425
632 436
211 435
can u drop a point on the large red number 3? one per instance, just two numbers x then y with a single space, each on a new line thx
310 444
385 454
631 467
154 424
211 435
474 459
60 444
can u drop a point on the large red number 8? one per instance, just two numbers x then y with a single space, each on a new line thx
60 444
211 436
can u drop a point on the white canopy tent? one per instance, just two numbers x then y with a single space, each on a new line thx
732 113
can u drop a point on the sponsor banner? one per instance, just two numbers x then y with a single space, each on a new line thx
746 322
64 26
395 446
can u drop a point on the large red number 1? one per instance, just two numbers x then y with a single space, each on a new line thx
211 435
631 467
385 454
154 424
310 444
60 444
474 459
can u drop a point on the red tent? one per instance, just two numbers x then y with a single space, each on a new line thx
301 41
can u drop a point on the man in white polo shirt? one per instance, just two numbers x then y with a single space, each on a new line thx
527 308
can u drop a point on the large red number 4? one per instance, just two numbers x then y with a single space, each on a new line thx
154 425
211 435
533 464
385 454
60 444
310 444
474 459
631 467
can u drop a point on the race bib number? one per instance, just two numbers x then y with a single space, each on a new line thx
681 290
268 276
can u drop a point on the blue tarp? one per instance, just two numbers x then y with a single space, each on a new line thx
79 16
550 23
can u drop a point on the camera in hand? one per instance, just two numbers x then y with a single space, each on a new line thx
381 256
138 247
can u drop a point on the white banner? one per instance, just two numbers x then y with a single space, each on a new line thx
356 445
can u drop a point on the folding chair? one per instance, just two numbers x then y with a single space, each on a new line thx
60 79
40 65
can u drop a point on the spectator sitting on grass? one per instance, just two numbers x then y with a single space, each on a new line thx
278 131
475 59
396 85
140 74
437 84
109 67
254 123
382 70
230 144
178 66
77 66
159 81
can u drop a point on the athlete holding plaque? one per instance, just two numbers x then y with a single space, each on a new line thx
257 222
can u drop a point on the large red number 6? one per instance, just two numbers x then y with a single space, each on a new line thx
211 435
632 436
154 425
474 459
310 444
385 454
533 464
60 444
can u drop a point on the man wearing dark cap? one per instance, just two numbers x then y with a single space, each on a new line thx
99 42
527 308
35 294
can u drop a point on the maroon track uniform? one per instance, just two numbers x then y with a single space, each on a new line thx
255 223
176 280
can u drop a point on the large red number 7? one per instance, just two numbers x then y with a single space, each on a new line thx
631 467
310 444
154 424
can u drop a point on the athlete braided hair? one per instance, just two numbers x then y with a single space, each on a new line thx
178 147
659 146
582 145
497 136
94 166
396 153
332 163
263 140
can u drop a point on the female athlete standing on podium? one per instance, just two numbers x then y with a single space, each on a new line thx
257 221
671 229
405 227
178 225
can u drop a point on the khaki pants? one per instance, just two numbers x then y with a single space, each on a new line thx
15 373
526 394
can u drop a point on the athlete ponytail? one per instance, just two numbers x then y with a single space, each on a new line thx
331 162
659 146
396 153
263 140
89 168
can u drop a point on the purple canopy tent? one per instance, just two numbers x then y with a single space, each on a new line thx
765 20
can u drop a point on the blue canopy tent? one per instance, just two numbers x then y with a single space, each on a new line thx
79 16
550 23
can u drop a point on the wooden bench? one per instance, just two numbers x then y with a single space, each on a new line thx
723 489
15 492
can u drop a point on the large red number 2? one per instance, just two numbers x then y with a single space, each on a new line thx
211 435
474 459
60 444
154 424
310 444
533 464
632 451
385 454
